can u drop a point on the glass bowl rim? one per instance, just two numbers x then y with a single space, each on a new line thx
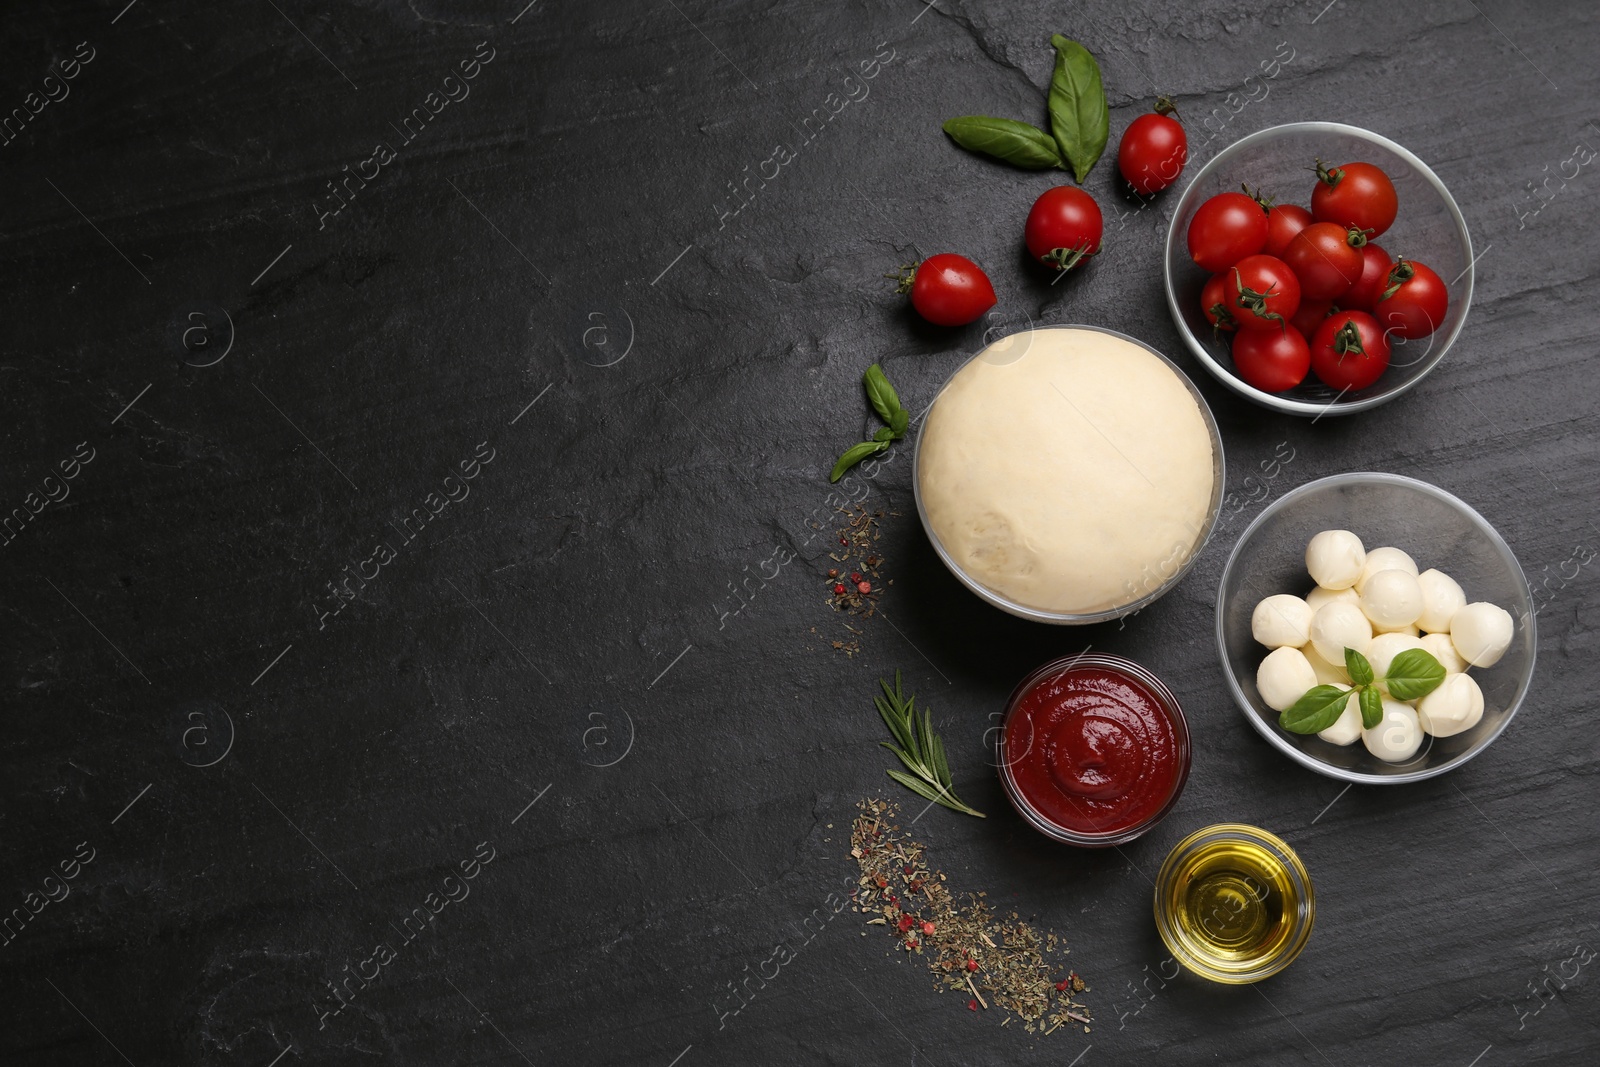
1062 618
1270 731
1273 400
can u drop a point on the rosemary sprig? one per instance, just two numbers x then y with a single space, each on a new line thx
919 749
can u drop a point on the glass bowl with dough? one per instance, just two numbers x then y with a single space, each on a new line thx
1068 474
1438 531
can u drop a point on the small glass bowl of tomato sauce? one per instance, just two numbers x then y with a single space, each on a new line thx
1094 750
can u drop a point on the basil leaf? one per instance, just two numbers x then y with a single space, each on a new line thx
1371 707
898 424
881 393
855 454
1414 673
1079 118
884 434
1358 666
1016 143
1319 709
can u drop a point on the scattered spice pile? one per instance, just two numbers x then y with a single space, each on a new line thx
854 584
971 950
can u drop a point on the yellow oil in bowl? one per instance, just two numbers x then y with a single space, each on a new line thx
1234 903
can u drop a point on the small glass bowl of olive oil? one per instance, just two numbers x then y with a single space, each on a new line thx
1234 903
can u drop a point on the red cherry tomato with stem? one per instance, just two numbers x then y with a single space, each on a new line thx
1326 257
1413 301
1064 225
1216 301
1265 293
1350 351
948 290
1153 150
1375 264
1225 229
1357 195
1271 360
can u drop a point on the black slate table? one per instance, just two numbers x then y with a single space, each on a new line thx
582 379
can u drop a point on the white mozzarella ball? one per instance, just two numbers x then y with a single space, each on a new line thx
1385 647
1391 599
1441 598
1336 627
1398 734
1444 650
1409 631
1284 677
1385 559
1334 559
1481 632
1327 673
1454 707
1346 730
1281 621
1320 596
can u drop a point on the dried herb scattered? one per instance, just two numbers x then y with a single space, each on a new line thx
853 582
1001 964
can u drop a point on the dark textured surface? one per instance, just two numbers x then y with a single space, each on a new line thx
573 603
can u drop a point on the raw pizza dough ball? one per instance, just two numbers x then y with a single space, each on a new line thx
1327 673
1385 647
1320 596
1481 632
1385 559
1398 734
1441 598
1334 559
1346 730
1444 650
1391 599
1336 627
1075 477
1284 677
1281 621
1454 707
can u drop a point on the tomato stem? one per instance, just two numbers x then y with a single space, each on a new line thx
1255 302
1259 197
1348 340
1357 237
905 276
1066 258
1399 274
1331 177
1165 106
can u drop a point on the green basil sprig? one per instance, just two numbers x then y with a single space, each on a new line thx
1079 117
1080 121
1412 674
886 402
1016 143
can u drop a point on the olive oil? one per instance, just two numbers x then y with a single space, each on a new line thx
1234 903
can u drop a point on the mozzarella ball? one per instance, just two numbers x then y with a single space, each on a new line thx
1346 730
1284 677
1320 596
1481 633
1337 627
1385 559
1334 559
1441 598
1281 621
1391 599
1398 734
1410 630
1444 650
1327 673
1454 707
1385 647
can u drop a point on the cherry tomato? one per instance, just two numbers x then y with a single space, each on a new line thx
1064 225
1283 222
1326 257
1413 300
1225 229
1375 264
1153 150
950 290
1271 360
1356 194
1310 315
1216 301
1265 293
1349 351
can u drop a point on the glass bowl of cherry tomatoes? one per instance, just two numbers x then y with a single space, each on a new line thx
1318 269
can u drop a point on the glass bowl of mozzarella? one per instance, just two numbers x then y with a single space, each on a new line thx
1381 563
